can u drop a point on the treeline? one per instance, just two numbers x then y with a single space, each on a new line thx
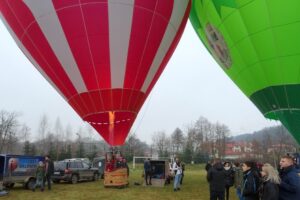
269 144
196 142
199 140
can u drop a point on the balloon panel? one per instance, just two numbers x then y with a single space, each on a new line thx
102 56
256 42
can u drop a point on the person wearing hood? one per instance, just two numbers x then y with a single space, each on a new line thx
289 188
216 178
251 181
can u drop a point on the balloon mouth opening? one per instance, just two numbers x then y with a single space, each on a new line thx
110 117
108 123
113 126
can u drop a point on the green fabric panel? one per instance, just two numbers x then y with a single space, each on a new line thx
286 39
193 17
291 120
277 98
291 69
268 49
255 16
279 16
281 103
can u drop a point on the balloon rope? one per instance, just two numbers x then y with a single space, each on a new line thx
144 113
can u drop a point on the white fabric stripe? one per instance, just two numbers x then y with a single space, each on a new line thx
46 17
120 14
30 58
178 12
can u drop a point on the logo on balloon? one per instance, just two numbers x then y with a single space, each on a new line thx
218 45
13 164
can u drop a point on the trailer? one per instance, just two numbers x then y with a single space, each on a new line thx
160 173
18 169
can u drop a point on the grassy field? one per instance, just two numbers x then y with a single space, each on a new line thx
194 187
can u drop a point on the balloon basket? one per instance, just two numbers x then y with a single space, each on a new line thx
117 178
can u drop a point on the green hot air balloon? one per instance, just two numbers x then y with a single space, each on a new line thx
257 43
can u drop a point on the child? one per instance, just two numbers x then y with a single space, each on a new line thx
40 174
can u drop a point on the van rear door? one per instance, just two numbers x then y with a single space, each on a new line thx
2 166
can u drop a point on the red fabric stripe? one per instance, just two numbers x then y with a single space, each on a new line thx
171 49
111 101
59 4
96 24
96 17
37 44
148 29
145 4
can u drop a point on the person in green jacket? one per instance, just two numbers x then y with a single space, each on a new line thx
39 175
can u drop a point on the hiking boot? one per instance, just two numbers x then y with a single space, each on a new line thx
175 190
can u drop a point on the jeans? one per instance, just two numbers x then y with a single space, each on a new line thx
177 181
182 175
239 193
39 182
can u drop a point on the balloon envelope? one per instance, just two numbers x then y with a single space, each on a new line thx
102 56
257 44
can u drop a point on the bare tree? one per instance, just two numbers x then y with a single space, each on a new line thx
161 143
59 136
25 132
69 133
134 147
222 132
43 129
8 131
177 140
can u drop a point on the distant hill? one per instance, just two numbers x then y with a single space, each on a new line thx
276 133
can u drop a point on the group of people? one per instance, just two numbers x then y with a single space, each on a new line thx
43 173
115 160
253 182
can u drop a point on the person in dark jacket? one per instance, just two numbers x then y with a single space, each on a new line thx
216 179
229 178
148 171
208 165
49 169
289 188
269 189
251 181
182 175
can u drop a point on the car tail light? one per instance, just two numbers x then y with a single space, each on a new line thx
68 171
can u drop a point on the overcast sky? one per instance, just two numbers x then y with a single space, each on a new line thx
191 86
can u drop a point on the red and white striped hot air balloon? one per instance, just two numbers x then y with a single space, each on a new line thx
102 56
